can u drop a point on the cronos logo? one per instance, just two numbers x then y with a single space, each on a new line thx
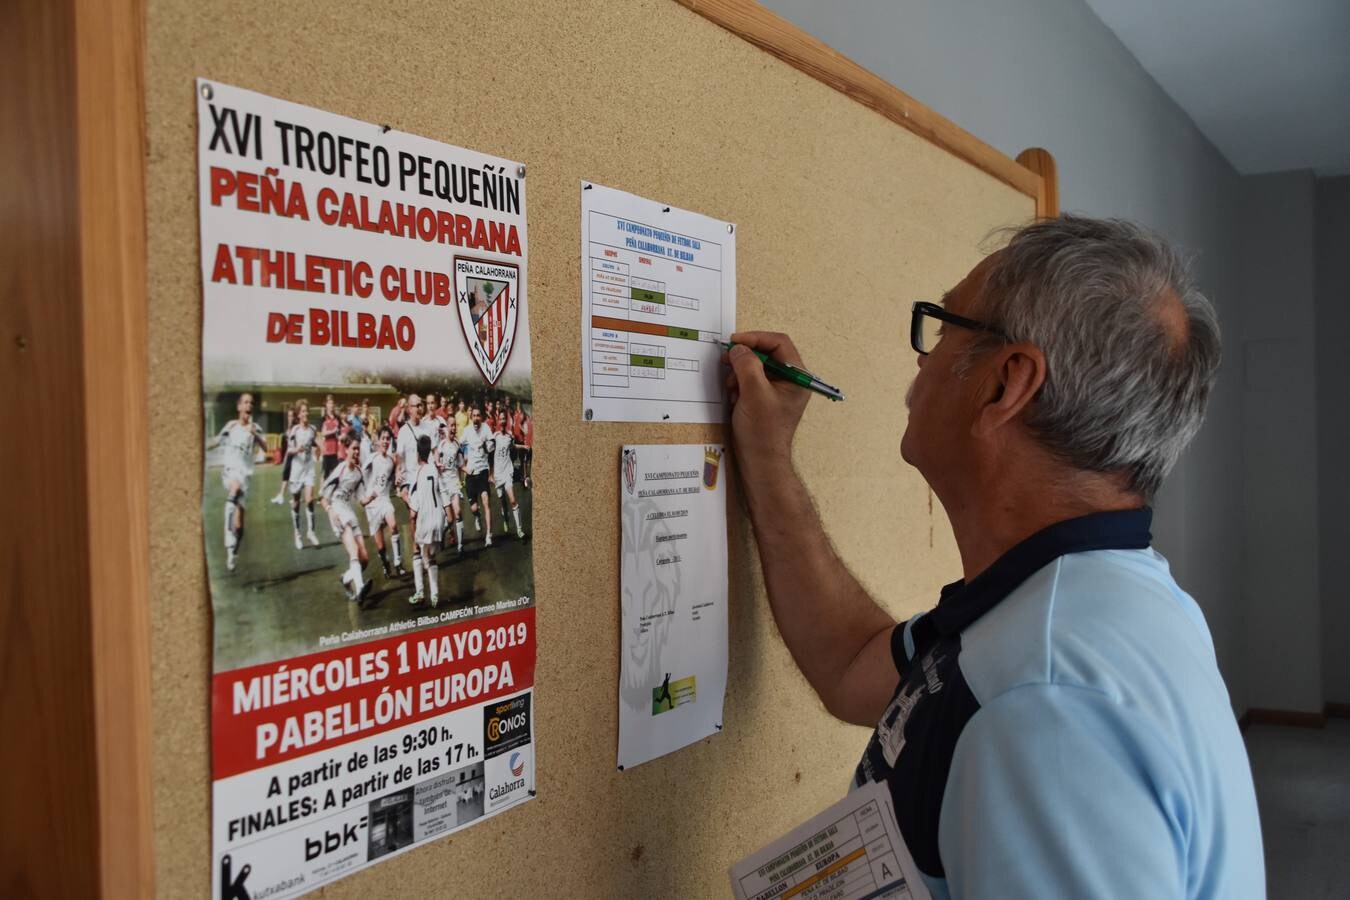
498 728
506 725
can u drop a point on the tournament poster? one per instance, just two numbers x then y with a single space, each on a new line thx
367 489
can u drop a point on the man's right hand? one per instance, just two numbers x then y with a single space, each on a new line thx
764 412
838 635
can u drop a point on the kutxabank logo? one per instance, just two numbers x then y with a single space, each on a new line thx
488 303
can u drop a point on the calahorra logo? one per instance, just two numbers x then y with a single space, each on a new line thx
488 295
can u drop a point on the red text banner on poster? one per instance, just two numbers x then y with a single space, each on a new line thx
265 714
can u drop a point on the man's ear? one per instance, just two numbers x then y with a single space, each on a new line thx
1016 375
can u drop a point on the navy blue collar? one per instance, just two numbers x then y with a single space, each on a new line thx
961 603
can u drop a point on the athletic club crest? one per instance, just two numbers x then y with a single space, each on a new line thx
630 469
488 293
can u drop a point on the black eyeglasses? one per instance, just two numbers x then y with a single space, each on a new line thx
925 326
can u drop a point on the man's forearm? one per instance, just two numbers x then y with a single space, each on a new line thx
823 613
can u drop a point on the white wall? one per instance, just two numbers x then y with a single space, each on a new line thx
1050 74
1279 447
1333 428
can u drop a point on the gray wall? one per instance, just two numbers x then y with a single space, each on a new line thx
1050 74
1279 446
1333 427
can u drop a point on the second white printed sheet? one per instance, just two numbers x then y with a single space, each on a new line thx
673 587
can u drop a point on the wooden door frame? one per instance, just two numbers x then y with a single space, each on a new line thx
77 643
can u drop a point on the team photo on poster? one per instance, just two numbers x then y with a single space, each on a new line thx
346 515
367 489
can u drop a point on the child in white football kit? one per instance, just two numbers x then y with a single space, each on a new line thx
302 451
344 485
424 498
415 427
477 467
380 471
238 438
504 472
448 459
280 498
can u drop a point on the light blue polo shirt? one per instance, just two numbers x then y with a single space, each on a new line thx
1061 730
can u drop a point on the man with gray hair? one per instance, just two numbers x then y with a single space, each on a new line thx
1056 726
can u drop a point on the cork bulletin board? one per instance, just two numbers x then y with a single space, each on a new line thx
843 218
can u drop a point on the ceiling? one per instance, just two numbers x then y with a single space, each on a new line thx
1268 81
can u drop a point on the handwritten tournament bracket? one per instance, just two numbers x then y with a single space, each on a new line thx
658 298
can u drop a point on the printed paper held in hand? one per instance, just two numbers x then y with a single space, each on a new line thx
851 850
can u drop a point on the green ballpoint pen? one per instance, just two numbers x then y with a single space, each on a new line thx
799 377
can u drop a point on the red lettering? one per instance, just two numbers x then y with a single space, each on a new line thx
276 327
362 278
365 330
386 334
348 218
335 328
295 328
426 224
222 184
407 335
281 326
422 282
295 207
313 273
247 256
388 282
247 198
272 269
327 200
319 332
405 226
224 268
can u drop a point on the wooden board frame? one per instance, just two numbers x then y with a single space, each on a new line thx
77 649
85 160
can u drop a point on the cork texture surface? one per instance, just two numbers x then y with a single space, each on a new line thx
843 218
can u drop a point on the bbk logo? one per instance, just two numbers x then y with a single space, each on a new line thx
333 840
231 885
